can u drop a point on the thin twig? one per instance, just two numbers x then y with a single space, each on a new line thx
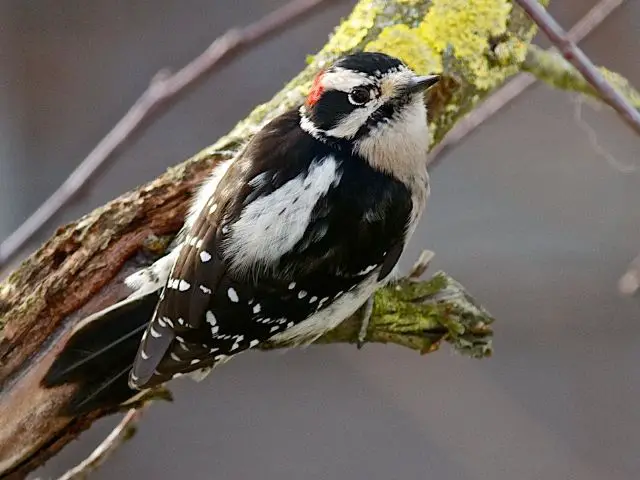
163 91
123 432
421 265
592 135
581 62
519 84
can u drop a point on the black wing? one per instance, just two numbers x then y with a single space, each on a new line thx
284 234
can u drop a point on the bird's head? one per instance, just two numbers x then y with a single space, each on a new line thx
372 101
361 92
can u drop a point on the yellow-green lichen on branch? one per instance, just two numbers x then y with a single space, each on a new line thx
550 67
420 315
405 43
463 29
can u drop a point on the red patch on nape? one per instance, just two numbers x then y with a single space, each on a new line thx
316 90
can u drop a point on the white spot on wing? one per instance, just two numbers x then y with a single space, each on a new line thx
211 318
256 308
302 294
154 333
233 296
205 256
183 286
253 343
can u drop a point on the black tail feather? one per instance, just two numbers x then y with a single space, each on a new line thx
100 354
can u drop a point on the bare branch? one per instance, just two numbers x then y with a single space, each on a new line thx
592 136
119 435
518 85
553 69
581 62
421 265
164 90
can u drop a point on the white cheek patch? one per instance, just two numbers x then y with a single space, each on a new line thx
270 226
348 126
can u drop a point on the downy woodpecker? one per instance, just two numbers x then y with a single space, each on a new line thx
282 243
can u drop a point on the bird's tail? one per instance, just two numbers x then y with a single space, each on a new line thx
98 356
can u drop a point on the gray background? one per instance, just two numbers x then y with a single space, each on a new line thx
526 214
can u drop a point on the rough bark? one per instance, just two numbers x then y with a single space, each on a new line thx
80 269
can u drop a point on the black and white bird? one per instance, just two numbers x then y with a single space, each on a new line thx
281 243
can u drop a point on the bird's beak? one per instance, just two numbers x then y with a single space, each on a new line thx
419 84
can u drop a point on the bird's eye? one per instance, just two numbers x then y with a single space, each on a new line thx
359 95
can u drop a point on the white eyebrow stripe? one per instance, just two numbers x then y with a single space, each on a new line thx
344 80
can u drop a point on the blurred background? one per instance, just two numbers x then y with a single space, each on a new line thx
534 221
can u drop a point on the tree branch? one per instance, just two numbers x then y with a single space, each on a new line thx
517 85
581 62
552 68
123 432
80 270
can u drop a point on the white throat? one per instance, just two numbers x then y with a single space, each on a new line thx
399 147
